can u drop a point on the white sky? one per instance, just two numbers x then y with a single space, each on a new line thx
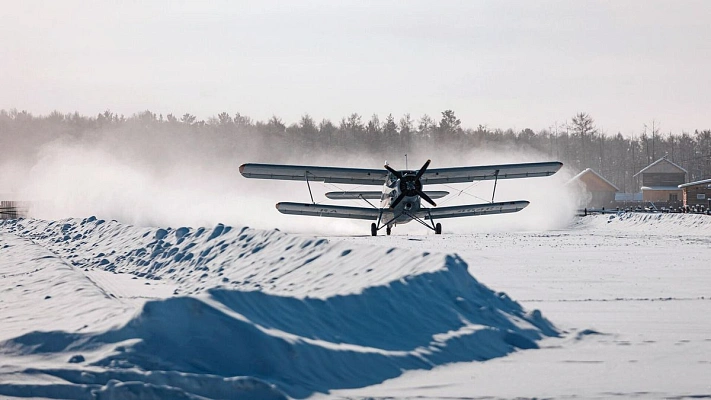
504 64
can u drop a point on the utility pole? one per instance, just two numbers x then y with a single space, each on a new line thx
602 150
653 134
557 150
646 144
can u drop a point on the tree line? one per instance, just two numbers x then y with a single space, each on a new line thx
578 143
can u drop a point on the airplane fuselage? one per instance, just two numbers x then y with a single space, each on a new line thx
408 205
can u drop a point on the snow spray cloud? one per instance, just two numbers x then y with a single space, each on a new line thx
552 202
160 178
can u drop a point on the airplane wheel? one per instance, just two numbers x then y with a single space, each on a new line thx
373 230
387 230
438 229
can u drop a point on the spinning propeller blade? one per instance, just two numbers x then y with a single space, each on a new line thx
417 190
398 200
394 172
422 170
426 198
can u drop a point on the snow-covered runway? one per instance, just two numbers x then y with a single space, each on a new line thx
632 293
92 308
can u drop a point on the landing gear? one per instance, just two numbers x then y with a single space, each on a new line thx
374 230
438 229
388 230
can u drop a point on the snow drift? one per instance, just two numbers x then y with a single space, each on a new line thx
649 223
255 314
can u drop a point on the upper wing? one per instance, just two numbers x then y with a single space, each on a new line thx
358 176
322 210
473 209
485 172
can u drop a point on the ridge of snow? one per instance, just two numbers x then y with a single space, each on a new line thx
650 223
244 258
286 314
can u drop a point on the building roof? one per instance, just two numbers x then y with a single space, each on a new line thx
595 174
659 161
702 182
659 188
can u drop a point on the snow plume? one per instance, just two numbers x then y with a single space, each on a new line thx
153 178
145 181
553 203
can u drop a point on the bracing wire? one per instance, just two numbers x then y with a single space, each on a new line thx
462 191
452 196
352 201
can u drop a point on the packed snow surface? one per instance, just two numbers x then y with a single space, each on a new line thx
631 294
98 309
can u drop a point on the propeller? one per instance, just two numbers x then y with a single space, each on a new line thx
410 185
394 172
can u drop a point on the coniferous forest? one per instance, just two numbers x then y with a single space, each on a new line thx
578 143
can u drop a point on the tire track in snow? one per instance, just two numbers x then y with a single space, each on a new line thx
129 289
62 260
700 298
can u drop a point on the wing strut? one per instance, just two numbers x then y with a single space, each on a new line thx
306 175
415 218
360 196
496 180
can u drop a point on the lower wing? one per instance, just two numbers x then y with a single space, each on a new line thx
373 195
372 214
473 209
322 210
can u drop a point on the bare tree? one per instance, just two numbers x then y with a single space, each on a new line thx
584 126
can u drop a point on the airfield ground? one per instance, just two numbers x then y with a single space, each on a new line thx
642 282
262 314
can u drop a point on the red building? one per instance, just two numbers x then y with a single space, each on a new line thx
594 190
697 193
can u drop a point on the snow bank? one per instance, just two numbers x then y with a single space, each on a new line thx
264 312
40 289
651 223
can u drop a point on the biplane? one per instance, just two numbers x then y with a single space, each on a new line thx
402 191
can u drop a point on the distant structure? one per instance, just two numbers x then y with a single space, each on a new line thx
595 190
628 197
661 180
13 209
697 193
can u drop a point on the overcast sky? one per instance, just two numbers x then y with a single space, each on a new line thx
503 64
